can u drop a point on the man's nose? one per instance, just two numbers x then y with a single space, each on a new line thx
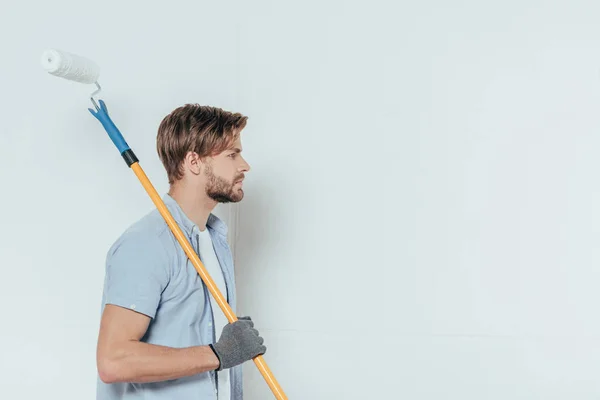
245 166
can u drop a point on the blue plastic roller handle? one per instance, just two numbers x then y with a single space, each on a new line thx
110 127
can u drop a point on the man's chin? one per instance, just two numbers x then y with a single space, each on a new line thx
237 197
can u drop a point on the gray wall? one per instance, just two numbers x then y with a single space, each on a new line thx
419 220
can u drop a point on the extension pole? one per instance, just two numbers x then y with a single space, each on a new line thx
101 114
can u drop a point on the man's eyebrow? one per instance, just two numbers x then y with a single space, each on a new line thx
235 149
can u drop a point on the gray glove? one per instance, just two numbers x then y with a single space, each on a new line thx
239 342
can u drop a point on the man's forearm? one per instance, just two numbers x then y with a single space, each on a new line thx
139 362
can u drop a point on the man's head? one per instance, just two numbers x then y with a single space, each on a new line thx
201 146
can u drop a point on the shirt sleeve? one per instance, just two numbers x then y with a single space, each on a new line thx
137 272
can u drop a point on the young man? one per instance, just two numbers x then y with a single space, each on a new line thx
162 336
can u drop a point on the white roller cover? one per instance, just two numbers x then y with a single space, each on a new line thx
70 66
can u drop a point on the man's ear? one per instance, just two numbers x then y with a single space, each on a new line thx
193 163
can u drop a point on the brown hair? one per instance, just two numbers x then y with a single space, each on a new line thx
204 130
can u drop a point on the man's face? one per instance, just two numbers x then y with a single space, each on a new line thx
224 175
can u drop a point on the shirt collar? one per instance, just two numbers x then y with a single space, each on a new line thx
185 223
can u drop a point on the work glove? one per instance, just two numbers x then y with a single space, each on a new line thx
239 342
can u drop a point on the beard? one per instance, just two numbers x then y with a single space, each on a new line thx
222 191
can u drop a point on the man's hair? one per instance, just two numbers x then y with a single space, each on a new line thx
204 130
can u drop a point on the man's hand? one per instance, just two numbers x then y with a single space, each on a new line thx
239 342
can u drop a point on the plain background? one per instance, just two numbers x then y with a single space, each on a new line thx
420 220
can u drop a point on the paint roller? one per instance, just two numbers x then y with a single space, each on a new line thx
80 69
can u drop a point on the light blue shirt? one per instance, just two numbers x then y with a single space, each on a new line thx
148 271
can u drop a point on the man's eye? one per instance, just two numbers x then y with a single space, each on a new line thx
232 155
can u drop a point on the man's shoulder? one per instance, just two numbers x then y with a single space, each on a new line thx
150 234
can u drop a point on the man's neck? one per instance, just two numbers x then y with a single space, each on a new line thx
194 203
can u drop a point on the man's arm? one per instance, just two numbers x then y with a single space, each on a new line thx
122 357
